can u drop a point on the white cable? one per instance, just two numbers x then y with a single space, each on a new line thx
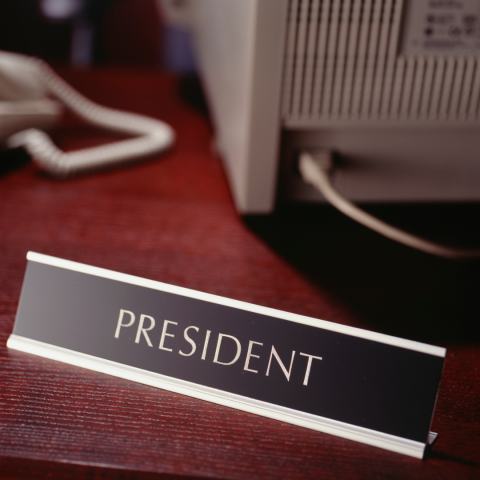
153 136
315 169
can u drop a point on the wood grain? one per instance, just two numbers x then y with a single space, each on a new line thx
171 219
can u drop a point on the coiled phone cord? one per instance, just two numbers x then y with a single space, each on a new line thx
152 136
315 169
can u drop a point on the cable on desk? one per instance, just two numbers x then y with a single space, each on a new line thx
316 170
152 136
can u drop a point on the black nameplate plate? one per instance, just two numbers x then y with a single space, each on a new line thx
356 384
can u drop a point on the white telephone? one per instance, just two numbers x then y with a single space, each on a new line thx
32 97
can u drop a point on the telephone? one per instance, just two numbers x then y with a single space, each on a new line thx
32 97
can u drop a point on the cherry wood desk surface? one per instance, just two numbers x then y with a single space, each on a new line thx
172 219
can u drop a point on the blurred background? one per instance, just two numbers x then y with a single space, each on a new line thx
94 32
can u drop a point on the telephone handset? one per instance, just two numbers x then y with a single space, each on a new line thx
32 97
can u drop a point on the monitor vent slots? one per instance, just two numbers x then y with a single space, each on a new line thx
343 63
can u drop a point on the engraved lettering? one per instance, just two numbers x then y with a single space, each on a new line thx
141 330
217 351
205 345
120 324
165 334
282 366
250 354
309 366
190 341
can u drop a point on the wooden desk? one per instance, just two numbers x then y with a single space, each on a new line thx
171 219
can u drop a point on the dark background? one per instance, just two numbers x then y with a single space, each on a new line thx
126 32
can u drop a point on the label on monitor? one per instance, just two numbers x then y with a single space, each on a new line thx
441 27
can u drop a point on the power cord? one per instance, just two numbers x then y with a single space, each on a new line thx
316 169
152 136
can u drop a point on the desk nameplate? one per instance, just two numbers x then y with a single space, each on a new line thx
372 388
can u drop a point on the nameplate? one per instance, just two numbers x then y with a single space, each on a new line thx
359 385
